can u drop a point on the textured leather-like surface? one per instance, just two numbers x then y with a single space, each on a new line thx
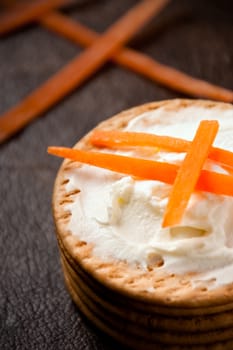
36 311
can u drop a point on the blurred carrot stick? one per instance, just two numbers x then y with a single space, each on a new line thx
22 14
79 69
138 62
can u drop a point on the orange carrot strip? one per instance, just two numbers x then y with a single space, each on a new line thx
189 172
79 69
142 168
138 62
115 139
220 184
26 13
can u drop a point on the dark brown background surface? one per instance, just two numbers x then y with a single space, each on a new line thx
36 311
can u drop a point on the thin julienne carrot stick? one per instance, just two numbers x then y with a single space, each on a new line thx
127 165
217 183
138 62
26 13
79 69
189 172
116 139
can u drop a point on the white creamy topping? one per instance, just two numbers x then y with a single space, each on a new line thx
122 216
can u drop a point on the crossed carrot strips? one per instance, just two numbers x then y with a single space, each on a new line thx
186 178
108 45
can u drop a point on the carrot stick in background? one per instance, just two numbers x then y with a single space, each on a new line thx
119 139
79 69
189 172
27 12
209 181
138 62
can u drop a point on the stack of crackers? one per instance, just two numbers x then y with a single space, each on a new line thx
140 308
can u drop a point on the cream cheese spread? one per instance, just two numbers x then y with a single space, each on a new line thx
122 216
